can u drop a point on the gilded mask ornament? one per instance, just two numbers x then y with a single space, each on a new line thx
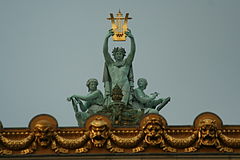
43 131
98 132
208 132
153 132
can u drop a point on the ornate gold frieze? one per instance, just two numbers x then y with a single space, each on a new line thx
153 135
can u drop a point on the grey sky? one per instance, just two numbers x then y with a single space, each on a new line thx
187 49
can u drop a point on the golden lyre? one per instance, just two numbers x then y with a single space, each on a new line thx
119 26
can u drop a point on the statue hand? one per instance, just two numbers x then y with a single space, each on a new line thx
110 33
74 96
155 94
69 98
129 33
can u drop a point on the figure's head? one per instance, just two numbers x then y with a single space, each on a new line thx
118 53
142 83
92 84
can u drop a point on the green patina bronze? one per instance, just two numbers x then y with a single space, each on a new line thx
118 71
93 102
119 112
148 102
121 103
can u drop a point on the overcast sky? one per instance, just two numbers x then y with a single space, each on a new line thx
186 49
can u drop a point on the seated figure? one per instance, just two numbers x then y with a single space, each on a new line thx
148 102
93 102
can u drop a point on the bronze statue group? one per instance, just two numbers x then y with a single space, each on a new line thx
118 72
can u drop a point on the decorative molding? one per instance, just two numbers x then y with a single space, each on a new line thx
153 135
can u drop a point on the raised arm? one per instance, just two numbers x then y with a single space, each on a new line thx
106 54
131 55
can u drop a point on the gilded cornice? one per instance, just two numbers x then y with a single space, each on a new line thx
152 135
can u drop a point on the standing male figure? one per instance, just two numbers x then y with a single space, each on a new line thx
118 72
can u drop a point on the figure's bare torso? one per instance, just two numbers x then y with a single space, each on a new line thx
119 75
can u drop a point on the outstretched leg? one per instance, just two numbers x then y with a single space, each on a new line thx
81 118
